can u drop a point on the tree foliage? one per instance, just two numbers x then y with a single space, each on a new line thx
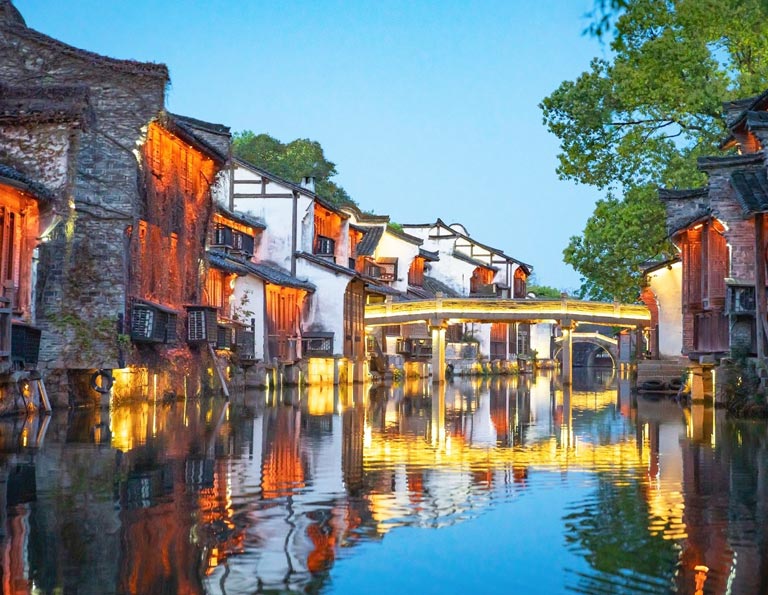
640 119
292 161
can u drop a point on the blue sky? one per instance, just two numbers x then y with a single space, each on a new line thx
428 108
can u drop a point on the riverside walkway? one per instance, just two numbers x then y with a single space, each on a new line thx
438 313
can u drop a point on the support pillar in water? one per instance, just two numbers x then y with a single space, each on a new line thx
567 327
438 328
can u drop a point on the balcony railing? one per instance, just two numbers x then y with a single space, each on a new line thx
318 344
411 347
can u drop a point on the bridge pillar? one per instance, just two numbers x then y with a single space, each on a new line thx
438 328
567 327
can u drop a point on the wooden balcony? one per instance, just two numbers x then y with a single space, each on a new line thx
318 344
415 348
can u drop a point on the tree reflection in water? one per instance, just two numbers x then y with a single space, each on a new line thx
281 491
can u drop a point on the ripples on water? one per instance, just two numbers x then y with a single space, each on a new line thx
494 484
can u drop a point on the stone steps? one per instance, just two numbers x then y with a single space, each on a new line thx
664 370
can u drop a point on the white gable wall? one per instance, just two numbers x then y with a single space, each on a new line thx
248 303
391 246
326 309
666 284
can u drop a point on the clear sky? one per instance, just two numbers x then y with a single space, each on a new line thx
428 108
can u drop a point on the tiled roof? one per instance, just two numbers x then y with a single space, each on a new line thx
202 125
757 119
419 292
367 245
655 266
12 21
383 289
751 190
327 264
278 276
18 179
496 251
181 127
267 272
428 255
687 193
433 286
220 260
696 218
730 160
470 260
243 218
404 236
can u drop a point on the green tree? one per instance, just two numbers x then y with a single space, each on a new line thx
641 119
292 161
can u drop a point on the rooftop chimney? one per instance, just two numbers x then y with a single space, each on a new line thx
307 182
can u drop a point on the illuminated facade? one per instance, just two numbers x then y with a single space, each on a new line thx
720 230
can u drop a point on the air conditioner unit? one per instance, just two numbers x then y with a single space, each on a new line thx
201 325
152 324
741 299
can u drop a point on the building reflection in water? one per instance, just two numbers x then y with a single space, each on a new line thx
272 490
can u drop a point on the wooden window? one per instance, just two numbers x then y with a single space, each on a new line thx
354 320
481 278
416 272
283 321
499 334
520 283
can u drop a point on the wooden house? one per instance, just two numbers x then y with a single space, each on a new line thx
720 230
310 243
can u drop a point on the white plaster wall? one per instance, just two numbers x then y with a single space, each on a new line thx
390 246
275 244
453 272
248 302
540 339
667 286
326 309
220 188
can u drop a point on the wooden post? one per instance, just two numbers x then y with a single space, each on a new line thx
438 328
219 373
760 305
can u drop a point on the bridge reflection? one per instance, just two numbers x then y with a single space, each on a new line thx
271 491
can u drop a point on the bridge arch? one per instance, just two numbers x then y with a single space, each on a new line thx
610 346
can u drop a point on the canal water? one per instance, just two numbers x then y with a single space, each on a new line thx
488 485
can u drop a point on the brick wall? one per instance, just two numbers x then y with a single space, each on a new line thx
82 274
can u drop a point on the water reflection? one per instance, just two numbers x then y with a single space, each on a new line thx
285 490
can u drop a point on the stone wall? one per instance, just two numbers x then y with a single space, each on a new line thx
92 146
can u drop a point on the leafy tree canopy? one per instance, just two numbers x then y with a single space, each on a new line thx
292 161
641 118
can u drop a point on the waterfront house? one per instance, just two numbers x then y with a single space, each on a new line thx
720 231
471 268
310 241
128 207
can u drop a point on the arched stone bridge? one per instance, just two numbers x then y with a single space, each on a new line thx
610 345
439 312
